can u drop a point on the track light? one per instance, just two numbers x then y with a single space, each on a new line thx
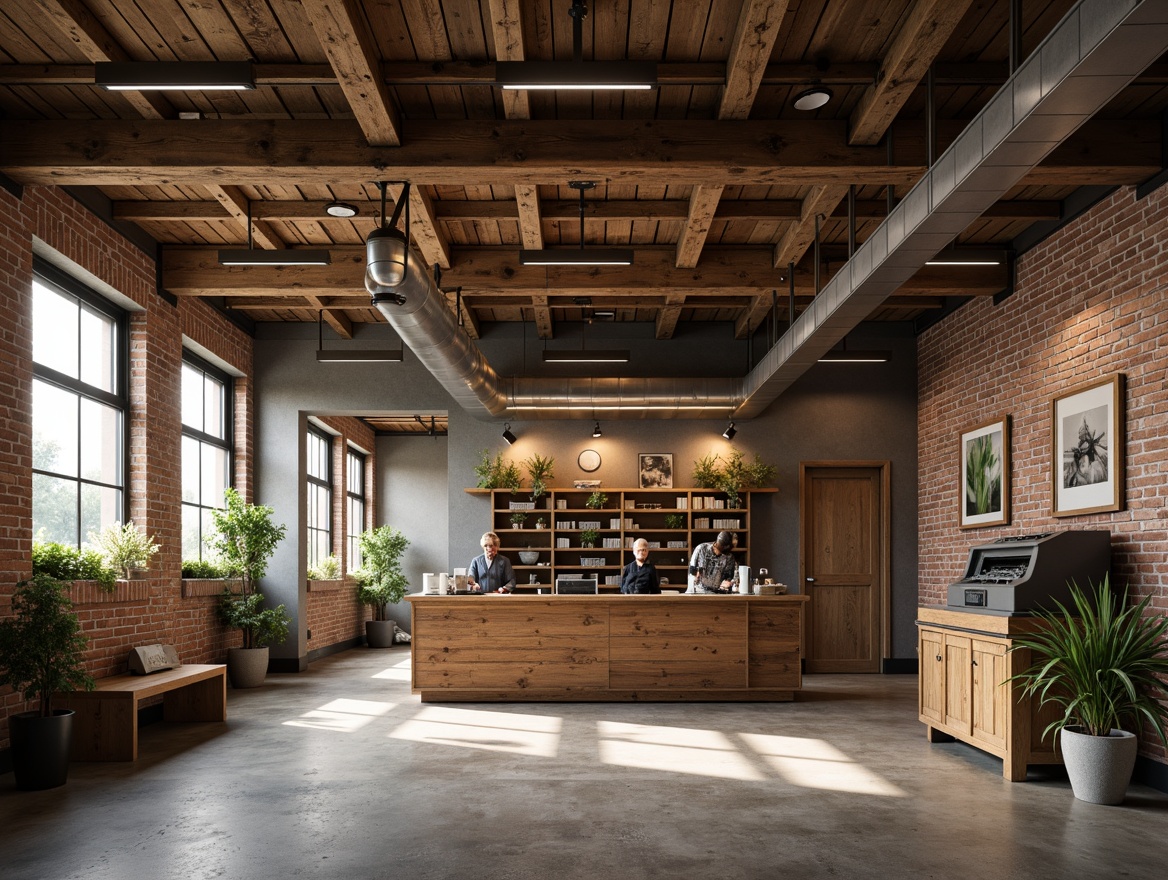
596 430
812 99
508 436
730 431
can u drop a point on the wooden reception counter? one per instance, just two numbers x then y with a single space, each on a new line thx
606 647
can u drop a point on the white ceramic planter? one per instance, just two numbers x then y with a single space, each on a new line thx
1099 767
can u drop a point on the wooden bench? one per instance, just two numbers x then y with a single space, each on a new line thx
105 727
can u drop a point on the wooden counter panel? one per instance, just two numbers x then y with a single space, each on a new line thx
605 647
683 674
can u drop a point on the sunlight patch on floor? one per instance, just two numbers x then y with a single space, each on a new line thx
342 716
399 671
535 735
673 750
813 763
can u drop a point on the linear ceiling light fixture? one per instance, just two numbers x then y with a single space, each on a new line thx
968 257
190 76
251 256
586 356
577 74
351 355
578 256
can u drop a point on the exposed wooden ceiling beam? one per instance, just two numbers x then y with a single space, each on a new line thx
754 39
354 57
510 152
238 206
560 211
668 316
75 21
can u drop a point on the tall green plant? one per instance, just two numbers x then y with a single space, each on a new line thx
381 579
245 539
540 469
1105 664
41 644
499 473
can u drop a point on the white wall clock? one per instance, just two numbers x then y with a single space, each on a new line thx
589 460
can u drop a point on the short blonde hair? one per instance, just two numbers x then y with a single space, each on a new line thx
489 537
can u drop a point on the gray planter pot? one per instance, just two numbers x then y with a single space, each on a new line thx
379 633
40 748
1099 767
247 667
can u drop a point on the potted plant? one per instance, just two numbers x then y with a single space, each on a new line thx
67 563
588 537
541 522
124 548
1106 664
674 521
596 500
498 473
244 539
732 475
41 647
381 581
518 518
327 569
540 469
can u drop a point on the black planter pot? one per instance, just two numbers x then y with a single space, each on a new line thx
40 748
379 633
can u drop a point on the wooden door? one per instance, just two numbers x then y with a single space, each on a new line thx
843 560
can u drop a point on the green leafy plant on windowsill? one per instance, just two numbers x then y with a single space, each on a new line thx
205 569
125 548
68 563
327 569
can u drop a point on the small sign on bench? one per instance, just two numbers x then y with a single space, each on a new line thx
153 658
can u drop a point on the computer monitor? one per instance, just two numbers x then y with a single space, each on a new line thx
577 585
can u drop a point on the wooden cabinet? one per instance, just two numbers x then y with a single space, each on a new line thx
964 692
673 521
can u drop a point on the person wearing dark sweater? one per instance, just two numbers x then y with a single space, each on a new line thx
640 576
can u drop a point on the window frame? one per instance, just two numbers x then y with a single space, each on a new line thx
65 285
325 483
353 557
226 443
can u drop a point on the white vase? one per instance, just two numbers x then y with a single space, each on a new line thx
1099 767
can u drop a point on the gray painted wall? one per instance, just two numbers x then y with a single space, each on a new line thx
834 412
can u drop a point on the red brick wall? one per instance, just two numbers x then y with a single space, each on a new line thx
1090 301
153 609
335 615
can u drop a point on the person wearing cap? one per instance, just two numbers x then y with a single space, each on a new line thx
711 568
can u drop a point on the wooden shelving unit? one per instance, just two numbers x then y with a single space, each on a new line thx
627 515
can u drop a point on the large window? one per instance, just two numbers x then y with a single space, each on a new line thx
79 405
206 450
355 506
320 496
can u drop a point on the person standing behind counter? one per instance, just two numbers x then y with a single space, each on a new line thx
490 573
711 568
640 575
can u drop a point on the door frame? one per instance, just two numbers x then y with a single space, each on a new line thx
885 600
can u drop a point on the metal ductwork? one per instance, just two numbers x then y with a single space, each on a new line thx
419 313
1094 52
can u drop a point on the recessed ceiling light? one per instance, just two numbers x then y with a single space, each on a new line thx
812 99
341 209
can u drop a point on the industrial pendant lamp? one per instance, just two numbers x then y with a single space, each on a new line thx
387 251
596 430
578 74
251 256
580 256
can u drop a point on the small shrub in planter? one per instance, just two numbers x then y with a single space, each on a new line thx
67 563
327 569
125 549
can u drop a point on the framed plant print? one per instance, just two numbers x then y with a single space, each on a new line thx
655 470
1087 441
985 475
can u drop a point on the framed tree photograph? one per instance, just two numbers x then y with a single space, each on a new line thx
985 475
655 470
1087 440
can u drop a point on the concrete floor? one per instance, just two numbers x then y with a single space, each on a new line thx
340 772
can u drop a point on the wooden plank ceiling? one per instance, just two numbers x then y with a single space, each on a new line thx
714 179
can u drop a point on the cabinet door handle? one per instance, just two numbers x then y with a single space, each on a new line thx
938 658
974 662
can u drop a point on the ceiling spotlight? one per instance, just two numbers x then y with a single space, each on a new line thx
730 431
812 99
341 209
596 430
508 436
